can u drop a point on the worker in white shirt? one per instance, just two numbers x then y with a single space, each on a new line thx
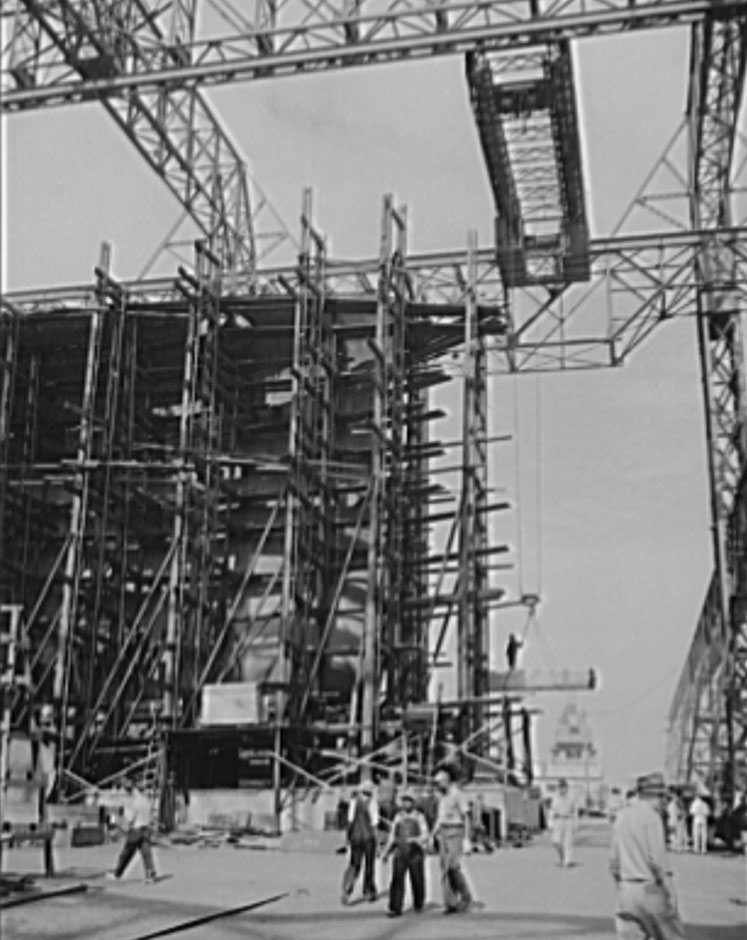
136 826
453 832
563 823
699 813
646 902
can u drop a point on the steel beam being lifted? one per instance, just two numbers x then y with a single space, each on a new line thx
307 36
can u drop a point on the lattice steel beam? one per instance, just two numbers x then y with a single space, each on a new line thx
291 36
174 129
525 108
638 282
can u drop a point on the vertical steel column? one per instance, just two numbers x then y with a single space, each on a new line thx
78 520
373 622
309 564
292 501
175 612
9 325
112 302
383 595
9 639
206 444
472 626
415 613
399 644
717 69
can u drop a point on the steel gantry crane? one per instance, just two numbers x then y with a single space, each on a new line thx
174 128
147 63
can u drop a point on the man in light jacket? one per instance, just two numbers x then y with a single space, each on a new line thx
453 832
563 823
646 902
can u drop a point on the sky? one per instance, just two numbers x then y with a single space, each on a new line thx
613 508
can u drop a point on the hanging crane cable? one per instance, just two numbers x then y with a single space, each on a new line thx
517 486
529 599
533 601
539 496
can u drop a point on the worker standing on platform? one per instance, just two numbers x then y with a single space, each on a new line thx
452 830
363 821
408 839
563 823
512 651
646 902
136 826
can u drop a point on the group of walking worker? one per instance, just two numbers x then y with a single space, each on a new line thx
407 837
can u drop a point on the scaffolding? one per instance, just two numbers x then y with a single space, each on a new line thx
213 488
206 482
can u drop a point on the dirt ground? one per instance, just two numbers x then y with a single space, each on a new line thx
523 895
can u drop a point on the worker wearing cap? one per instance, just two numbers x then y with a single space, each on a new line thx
407 842
562 823
646 902
452 830
363 820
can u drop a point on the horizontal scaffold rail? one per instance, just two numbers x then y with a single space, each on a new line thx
306 37
637 281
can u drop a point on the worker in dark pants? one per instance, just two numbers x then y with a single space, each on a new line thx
137 834
363 820
407 843
512 651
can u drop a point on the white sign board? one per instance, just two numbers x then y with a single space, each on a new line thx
230 703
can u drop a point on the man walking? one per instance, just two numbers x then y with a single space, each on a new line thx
562 823
646 903
452 831
136 826
363 821
407 842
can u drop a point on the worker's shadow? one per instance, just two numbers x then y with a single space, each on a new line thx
525 925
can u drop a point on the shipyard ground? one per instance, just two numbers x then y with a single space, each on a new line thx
523 895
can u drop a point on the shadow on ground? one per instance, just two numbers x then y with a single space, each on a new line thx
130 917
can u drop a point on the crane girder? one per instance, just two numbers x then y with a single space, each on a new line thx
305 36
175 130
640 282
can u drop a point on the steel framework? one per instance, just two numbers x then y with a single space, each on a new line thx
709 712
301 36
517 311
163 533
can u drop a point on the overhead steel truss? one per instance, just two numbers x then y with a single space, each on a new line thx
175 129
638 281
526 113
64 52
292 36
